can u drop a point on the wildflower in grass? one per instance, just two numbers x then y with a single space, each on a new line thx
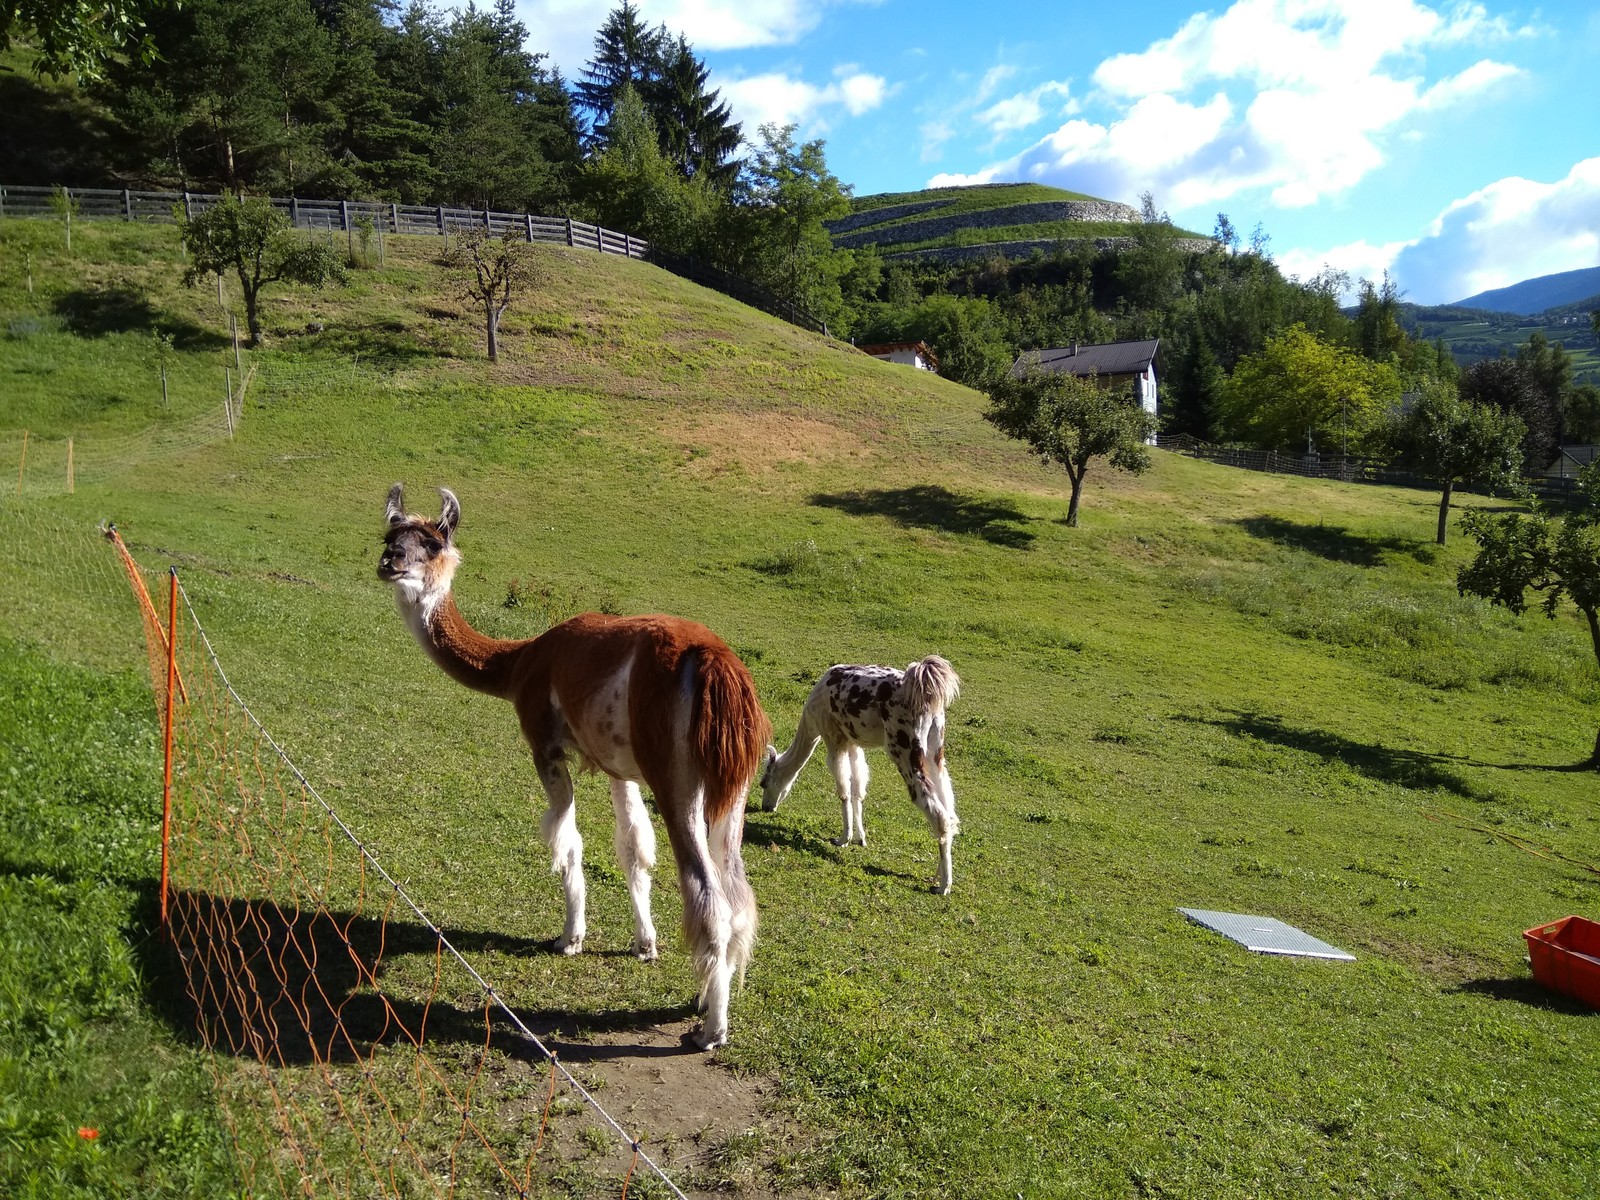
88 1133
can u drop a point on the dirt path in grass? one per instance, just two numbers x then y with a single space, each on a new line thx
713 1132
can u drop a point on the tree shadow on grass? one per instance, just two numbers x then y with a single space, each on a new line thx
119 308
388 345
929 506
288 986
1386 764
1525 991
1335 542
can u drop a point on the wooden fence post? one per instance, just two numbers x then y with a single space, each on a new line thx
186 211
394 216
527 221
294 211
441 220
487 224
569 235
127 205
227 399
344 214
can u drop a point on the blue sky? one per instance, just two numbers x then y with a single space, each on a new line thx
1455 144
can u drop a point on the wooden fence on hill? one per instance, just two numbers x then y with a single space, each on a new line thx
347 216
127 204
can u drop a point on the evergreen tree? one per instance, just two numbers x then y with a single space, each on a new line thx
627 52
631 185
697 131
503 116
1195 387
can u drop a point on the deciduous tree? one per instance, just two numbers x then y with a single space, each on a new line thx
1453 441
254 241
492 272
1300 387
1072 420
1557 556
1510 386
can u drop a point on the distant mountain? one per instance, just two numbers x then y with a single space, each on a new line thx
1535 295
1474 333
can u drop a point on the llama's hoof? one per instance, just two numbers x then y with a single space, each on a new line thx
570 945
708 1039
839 841
940 888
645 951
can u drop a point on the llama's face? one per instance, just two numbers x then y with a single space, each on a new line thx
419 556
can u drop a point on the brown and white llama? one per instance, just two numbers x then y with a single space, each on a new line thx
655 700
854 707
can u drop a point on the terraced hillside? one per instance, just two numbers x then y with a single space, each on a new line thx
1226 690
956 223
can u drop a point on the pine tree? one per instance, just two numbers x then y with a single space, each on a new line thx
626 52
697 131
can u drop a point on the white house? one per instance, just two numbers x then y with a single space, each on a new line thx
1129 364
911 354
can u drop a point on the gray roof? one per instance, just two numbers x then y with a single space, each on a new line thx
1110 358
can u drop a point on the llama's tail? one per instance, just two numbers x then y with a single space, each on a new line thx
930 685
731 731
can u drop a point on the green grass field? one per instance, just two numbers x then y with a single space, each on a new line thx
1225 690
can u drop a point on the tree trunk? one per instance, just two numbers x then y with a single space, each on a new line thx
252 314
493 323
1072 506
1444 508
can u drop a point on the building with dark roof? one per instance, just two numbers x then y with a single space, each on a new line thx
1114 364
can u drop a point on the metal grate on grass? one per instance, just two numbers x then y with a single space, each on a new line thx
1265 935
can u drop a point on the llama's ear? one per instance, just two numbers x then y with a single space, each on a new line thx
449 513
772 754
394 511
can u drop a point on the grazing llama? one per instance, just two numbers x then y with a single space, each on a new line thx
654 700
852 708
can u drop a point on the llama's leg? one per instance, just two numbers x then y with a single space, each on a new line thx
839 763
635 840
859 774
560 830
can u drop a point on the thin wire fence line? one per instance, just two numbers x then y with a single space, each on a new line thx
399 891
1340 468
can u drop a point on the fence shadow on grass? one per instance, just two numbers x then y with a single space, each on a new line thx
295 987
1336 543
97 312
1386 764
929 506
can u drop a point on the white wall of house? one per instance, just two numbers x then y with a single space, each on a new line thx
1145 381
907 358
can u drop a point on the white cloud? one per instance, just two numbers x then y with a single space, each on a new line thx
567 28
1297 98
1511 230
1026 108
777 98
935 134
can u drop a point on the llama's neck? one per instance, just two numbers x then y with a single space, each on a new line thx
785 767
472 659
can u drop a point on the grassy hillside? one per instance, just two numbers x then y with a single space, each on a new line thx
1226 690
987 214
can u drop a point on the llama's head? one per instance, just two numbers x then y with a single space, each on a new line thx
773 789
419 556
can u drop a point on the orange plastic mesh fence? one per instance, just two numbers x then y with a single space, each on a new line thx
355 1051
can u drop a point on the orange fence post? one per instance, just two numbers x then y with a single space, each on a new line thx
166 770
